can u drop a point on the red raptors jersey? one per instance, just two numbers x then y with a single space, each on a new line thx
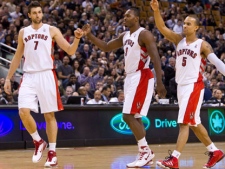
37 49
189 63
136 57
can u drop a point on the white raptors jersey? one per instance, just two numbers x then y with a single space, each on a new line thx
37 50
189 63
136 57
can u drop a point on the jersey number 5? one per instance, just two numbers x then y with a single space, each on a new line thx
36 44
184 61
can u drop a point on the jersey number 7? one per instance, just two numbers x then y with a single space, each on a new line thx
36 44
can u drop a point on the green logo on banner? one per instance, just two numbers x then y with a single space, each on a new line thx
216 121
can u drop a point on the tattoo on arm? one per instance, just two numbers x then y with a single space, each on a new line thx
208 46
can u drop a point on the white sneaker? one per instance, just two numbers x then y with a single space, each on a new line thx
143 158
51 160
39 148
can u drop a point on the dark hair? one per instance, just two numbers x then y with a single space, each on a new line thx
33 4
197 22
105 87
136 11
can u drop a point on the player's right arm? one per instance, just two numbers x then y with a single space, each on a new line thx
106 47
15 62
168 33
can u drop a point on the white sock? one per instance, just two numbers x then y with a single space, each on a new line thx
36 136
52 146
176 154
212 147
142 142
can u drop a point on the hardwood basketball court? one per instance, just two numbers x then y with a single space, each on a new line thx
107 157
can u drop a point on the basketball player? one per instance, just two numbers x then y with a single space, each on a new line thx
139 46
191 60
39 81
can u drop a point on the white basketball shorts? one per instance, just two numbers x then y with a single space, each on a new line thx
138 90
190 98
40 87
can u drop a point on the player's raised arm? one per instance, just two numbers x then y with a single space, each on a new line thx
62 42
111 45
207 52
168 33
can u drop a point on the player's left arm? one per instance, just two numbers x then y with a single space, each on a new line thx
62 42
146 39
207 52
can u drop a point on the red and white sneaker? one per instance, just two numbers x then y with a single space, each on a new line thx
143 158
170 162
51 160
214 157
39 148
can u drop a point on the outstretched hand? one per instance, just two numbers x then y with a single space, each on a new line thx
155 5
86 29
78 33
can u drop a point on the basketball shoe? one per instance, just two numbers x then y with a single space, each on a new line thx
170 162
143 158
39 148
51 160
214 157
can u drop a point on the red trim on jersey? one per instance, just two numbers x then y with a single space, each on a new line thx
59 101
141 91
52 55
141 64
189 117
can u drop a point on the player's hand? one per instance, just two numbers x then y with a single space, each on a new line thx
7 86
155 5
78 33
161 90
87 29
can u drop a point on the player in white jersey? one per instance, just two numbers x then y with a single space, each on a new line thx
39 81
191 58
139 46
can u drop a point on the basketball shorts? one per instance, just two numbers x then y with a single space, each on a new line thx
138 90
40 87
190 98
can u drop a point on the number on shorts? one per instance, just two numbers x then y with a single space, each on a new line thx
36 44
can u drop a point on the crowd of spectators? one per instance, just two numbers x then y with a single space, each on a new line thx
99 75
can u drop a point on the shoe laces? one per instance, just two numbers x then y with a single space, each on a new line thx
36 144
210 154
51 154
170 155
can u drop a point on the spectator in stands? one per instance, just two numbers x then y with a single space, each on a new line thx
106 92
198 9
178 27
96 99
99 76
169 73
76 68
217 99
64 71
68 92
119 97
85 77
73 82
57 62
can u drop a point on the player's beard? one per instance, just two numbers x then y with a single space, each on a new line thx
37 21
